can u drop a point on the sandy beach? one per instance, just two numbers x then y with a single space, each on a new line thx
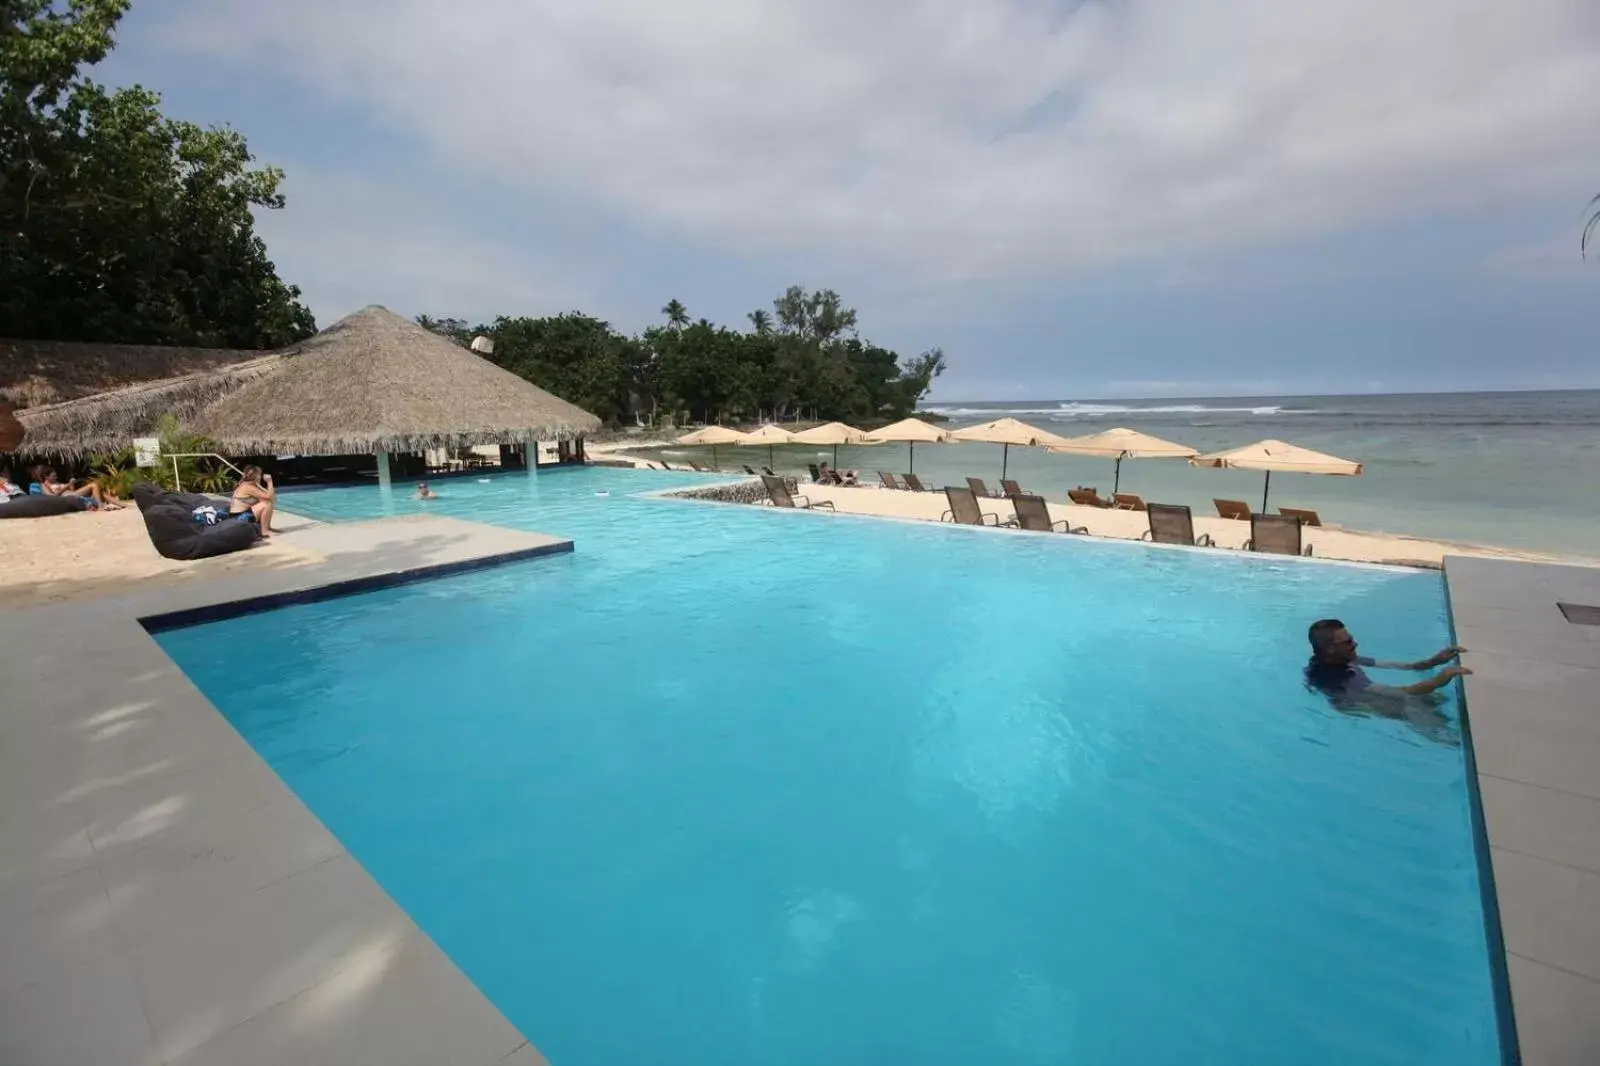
1327 542
77 556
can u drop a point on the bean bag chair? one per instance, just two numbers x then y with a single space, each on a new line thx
146 493
40 506
177 535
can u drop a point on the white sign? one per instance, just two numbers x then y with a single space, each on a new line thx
146 451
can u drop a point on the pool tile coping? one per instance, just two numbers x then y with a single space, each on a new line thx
1533 723
164 897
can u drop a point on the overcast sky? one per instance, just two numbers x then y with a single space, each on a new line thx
1124 198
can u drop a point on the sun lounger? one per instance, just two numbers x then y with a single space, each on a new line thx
1233 509
767 470
1034 514
1087 498
1011 488
980 489
750 471
888 480
1124 501
964 508
664 464
1277 535
816 473
779 495
1307 518
915 484
1172 523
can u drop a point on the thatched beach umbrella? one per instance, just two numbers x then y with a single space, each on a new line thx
1270 455
1120 444
1008 431
834 433
371 383
378 383
911 432
769 435
712 435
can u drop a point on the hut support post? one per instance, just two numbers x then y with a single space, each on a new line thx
383 470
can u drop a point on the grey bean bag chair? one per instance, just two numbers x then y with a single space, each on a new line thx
40 506
170 522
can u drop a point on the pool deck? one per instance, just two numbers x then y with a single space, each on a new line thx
1533 713
164 898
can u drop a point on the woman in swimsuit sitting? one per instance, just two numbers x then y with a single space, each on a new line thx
255 493
93 497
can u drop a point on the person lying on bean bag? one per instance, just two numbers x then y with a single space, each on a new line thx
180 527
16 503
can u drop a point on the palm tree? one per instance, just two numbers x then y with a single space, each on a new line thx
1589 227
761 322
677 314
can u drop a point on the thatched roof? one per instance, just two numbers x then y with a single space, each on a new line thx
34 373
371 382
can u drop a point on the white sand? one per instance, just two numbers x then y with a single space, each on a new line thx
1326 542
79 556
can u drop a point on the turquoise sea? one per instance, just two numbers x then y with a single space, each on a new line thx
1520 469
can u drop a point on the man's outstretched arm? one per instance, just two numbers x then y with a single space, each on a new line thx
1447 655
1437 681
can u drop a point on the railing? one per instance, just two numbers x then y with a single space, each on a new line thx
177 482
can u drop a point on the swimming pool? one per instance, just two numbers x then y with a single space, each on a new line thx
729 785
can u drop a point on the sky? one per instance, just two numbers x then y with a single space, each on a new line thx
1073 199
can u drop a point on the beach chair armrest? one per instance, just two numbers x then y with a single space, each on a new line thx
1147 535
948 516
1204 541
1307 552
986 517
1063 525
1250 545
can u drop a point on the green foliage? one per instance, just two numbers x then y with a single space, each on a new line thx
117 223
116 472
804 357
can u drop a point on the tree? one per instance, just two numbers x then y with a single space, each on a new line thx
813 362
117 223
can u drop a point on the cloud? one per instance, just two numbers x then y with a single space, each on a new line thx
349 242
959 138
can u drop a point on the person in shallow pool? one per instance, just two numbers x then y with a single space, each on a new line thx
424 492
1336 670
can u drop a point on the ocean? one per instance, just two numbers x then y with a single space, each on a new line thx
1519 469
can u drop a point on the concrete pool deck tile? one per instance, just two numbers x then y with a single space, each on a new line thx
1552 1007
236 960
1547 912
1536 741
1566 646
1561 827
360 1013
49 927
180 872
89 1015
159 885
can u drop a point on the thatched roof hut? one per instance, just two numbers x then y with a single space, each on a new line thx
34 373
372 382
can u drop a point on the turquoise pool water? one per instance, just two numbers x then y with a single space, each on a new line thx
730 785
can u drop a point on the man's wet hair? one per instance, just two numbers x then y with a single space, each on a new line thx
1321 633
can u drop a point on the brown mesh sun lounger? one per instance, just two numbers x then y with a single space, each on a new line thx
1124 501
888 480
1307 518
1034 514
1087 498
750 470
915 484
1233 509
965 510
1277 535
980 489
780 496
1011 488
1172 523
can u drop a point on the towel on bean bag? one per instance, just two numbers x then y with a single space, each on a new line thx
40 506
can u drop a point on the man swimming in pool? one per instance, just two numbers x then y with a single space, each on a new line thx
1336 670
